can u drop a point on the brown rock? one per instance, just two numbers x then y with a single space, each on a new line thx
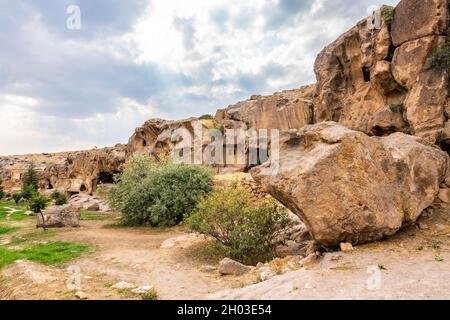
346 247
348 187
444 195
415 19
410 58
59 217
230 267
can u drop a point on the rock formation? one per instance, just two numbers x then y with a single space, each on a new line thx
349 187
59 217
357 181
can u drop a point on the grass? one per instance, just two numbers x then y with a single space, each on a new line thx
5 230
52 253
382 267
439 258
152 295
94 216
32 236
16 216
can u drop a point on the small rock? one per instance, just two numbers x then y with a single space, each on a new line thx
423 226
230 267
208 269
88 277
142 290
266 274
346 247
124 285
309 286
312 258
81 295
444 195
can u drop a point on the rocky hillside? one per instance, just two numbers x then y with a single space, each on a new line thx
361 149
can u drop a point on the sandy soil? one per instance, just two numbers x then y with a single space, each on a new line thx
413 264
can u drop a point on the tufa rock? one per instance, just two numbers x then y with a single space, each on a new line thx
230 267
349 187
346 247
60 217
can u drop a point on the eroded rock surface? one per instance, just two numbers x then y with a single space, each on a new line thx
349 187
59 217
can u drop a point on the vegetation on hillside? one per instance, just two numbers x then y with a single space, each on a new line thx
439 59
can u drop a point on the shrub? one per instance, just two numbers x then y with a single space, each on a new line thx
440 59
17 197
206 117
244 231
389 14
152 295
157 192
59 198
2 193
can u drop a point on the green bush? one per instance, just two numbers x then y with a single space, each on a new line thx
2 193
389 14
206 117
59 198
440 59
17 197
158 192
244 230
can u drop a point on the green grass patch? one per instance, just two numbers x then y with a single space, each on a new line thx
5 230
94 216
51 253
32 236
152 295
16 216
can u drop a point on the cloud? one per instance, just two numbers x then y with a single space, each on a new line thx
64 89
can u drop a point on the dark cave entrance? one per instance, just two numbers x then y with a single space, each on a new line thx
105 178
83 188
48 185
366 74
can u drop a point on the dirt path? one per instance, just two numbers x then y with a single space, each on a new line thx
414 264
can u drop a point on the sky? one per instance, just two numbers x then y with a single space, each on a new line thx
78 74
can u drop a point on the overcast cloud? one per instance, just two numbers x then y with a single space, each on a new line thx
64 89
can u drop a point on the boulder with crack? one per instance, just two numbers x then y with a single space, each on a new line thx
349 187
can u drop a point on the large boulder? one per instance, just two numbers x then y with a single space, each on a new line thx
65 216
349 187
415 19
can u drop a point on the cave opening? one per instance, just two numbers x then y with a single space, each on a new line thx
83 188
105 178
366 74
445 146
144 143
49 185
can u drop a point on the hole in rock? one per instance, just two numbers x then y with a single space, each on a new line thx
83 188
106 177
366 74
49 185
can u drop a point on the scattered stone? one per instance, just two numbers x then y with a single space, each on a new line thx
208 269
123 285
81 295
142 290
309 286
88 277
346 247
230 267
266 273
176 241
444 195
423 225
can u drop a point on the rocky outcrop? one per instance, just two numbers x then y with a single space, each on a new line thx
349 187
59 217
82 171
368 71
285 110
72 172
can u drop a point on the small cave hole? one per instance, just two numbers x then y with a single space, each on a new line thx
144 143
106 178
49 185
366 74
445 146
83 188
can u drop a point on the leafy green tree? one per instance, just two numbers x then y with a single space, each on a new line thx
31 179
37 204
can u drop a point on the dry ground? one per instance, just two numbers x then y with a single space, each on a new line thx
413 264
